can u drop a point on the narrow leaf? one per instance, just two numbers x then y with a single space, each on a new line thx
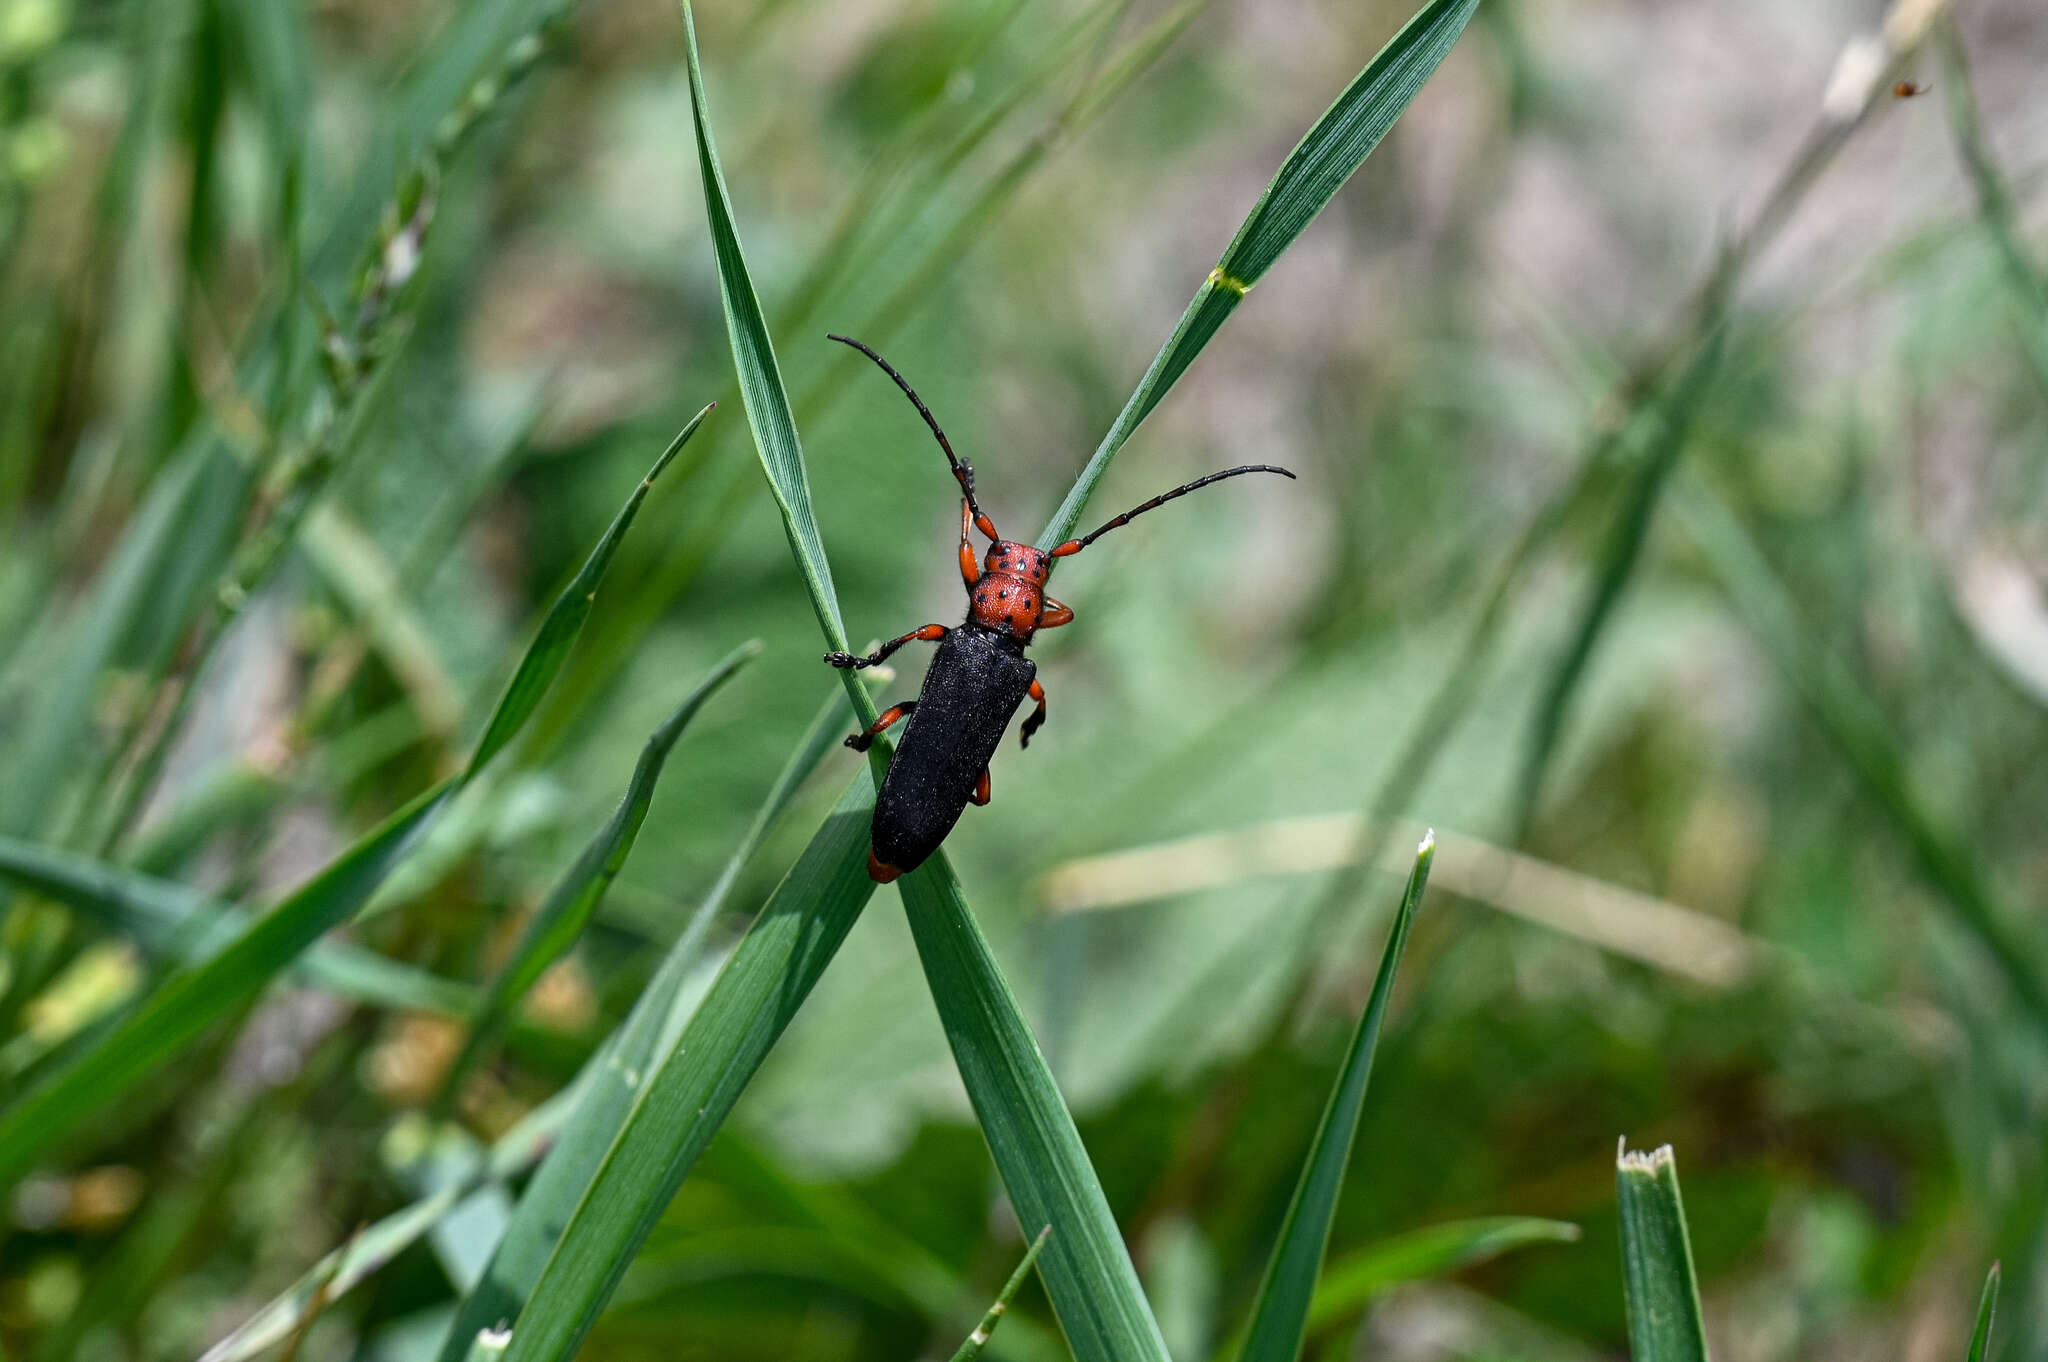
692 1092
1619 555
1420 1255
1664 1319
1980 1337
1867 739
1313 173
1280 1314
612 1079
195 998
1030 1133
550 646
978 1340
170 921
767 403
567 910
379 1243
687 1098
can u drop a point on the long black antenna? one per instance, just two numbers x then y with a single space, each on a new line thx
1076 545
962 472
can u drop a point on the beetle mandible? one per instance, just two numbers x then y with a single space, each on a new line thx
979 676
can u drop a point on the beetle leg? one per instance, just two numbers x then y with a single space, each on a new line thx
981 794
931 633
1031 725
970 566
862 741
1053 614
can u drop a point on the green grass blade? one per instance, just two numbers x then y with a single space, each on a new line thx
1616 566
193 999
550 646
978 1339
1664 1319
689 1095
2024 278
1857 725
1313 173
172 922
1434 1251
1030 1133
871 1236
378 1243
1980 1337
1281 1312
967 227
761 388
669 1124
610 1081
567 910
918 284
60 713
1088 1271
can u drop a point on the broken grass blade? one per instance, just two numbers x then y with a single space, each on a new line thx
1665 1323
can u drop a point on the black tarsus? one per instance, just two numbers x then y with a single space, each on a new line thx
1085 540
890 717
855 661
963 473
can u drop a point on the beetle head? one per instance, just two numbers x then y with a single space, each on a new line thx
1018 560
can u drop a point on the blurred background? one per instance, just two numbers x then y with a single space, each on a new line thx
1702 613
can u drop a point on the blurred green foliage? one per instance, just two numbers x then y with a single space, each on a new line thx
1786 513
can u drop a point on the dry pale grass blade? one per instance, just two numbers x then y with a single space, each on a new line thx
1676 939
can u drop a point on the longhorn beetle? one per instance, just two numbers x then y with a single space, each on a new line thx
979 676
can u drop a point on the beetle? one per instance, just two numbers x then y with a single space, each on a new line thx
979 676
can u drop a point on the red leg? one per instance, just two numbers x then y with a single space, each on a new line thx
1053 615
931 633
1031 725
861 742
981 793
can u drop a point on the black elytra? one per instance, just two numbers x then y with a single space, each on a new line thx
979 676
974 686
